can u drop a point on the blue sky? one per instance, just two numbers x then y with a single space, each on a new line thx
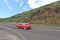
9 8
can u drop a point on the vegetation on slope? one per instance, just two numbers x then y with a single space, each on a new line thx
47 14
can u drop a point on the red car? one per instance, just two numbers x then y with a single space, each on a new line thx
23 25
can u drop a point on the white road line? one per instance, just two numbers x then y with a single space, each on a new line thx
20 35
46 29
14 31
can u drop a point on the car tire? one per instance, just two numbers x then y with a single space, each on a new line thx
24 28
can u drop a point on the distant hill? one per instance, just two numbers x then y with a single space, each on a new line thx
46 14
1 19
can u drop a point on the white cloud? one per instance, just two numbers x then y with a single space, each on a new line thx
25 8
21 4
16 0
37 3
9 6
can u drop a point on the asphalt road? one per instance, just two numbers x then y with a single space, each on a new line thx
5 35
36 33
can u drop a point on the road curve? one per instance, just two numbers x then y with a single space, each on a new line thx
11 33
5 35
37 33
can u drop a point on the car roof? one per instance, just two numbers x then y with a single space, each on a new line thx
23 23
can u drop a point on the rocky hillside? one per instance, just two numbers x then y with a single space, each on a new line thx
46 14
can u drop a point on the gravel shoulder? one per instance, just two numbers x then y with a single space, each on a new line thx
6 35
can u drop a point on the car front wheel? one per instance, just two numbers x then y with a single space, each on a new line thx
25 28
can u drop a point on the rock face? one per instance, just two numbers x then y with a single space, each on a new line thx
46 15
